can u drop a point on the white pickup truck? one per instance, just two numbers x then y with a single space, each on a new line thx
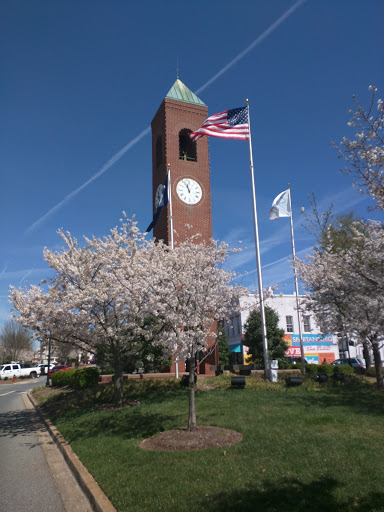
8 371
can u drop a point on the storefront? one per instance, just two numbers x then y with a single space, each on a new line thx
318 349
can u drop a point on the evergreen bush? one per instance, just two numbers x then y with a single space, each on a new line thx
328 369
344 369
311 368
76 379
62 378
86 378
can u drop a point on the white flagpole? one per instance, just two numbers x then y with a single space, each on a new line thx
258 262
170 205
169 192
296 283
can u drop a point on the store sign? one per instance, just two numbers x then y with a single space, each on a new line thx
310 339
317 348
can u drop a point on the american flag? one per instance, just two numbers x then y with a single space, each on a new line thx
230 124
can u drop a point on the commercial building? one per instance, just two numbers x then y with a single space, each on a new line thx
318 347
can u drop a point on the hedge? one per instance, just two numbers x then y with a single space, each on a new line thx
76 379
344 369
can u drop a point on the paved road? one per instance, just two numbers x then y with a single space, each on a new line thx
28 481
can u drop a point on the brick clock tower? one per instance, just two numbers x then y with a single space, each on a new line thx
180 113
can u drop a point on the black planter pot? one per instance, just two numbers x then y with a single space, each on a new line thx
238 382
293 381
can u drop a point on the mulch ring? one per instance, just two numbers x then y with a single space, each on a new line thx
202 438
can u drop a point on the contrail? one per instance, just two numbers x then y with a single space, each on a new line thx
145 132
105 168
255 43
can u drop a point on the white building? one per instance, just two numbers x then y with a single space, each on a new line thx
317 346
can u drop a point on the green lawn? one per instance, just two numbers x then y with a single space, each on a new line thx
311 448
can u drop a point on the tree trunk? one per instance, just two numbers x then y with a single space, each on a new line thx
367 355
192 407
118 395
377 360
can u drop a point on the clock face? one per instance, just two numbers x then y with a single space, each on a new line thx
189 191
159 197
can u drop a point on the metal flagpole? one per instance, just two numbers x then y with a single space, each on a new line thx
296 283
170 205
169 192
258 262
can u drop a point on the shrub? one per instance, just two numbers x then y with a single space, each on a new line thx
76 379
328 369
344 369
86 378
283 363
312 368
369 372
293 366
62 378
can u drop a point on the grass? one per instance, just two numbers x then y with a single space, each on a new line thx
311 448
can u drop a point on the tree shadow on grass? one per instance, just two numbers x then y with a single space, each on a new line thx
361 399
114 424
62 400
291 495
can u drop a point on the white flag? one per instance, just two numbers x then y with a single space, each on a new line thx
281 206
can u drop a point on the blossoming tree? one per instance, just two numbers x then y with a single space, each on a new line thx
190 291
364 155
345 276
97 297
103 294
345 289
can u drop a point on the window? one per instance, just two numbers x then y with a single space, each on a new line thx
187 146
239 325
159 151
307 323
289 320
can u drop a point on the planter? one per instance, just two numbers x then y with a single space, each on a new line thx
293 381
238 382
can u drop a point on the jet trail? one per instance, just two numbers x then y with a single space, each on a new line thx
255 43
134 141
105 168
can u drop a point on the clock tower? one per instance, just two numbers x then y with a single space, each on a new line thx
180 113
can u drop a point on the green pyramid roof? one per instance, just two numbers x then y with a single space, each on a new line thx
180 92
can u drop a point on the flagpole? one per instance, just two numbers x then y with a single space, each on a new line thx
296 283
170 205
258 262
169 192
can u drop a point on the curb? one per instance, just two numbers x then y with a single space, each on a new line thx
96 497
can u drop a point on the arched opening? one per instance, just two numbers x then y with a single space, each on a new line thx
187 146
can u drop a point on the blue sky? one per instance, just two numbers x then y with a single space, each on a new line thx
82 80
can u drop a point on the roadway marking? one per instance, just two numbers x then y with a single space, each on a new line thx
9 392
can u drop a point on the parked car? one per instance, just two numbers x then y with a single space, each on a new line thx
8 371
58 368
355 362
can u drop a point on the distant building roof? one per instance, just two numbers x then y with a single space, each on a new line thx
180 92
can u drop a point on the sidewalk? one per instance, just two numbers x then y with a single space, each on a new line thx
79 491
